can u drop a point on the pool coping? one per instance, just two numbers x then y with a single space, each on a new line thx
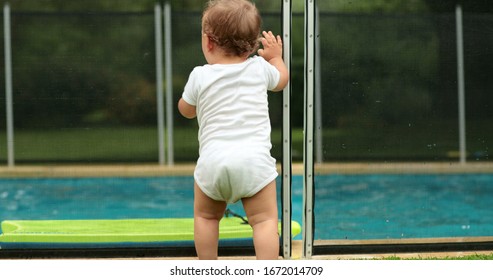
142 170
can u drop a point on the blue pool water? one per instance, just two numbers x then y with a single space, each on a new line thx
346 206
403 206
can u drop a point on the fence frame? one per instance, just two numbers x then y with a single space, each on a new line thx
286 134
308 125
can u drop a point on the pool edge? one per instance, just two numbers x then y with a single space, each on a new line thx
146 170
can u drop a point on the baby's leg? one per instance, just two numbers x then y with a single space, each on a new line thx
207 214
261 210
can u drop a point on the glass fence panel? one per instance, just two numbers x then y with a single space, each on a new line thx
84 87
389 167
478 43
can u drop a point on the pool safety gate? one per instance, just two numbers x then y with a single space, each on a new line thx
312 153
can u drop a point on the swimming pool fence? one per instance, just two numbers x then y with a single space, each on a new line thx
97 86
382 222
100 86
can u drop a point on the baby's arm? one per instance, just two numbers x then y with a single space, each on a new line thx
272 53
187 110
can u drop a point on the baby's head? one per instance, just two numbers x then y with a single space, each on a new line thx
234 25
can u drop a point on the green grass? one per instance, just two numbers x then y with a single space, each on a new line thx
466 258
128 144
406 142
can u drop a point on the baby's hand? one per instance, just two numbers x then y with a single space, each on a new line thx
272 46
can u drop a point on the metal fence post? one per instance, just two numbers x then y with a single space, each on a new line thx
318 95
461 83
308 189
286 134
8 85
159 81
169 80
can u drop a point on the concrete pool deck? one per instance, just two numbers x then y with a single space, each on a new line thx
149 170
130 170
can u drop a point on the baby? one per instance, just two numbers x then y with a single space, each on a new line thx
229 98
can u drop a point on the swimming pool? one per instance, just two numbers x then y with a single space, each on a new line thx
403 206
346 206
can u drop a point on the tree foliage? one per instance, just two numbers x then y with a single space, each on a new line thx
266 5
475 6
380 6
80 62
86 5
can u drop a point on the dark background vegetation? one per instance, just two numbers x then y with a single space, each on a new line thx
388 76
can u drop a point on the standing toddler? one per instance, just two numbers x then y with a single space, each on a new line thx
229 98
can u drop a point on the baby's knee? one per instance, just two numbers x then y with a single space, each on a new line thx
262 218
207 215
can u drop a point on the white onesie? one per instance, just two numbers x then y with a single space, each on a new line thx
234 127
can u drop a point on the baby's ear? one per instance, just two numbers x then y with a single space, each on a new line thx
210 43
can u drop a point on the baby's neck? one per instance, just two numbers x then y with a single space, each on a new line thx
227 59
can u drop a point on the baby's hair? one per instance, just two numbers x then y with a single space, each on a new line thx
234 25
